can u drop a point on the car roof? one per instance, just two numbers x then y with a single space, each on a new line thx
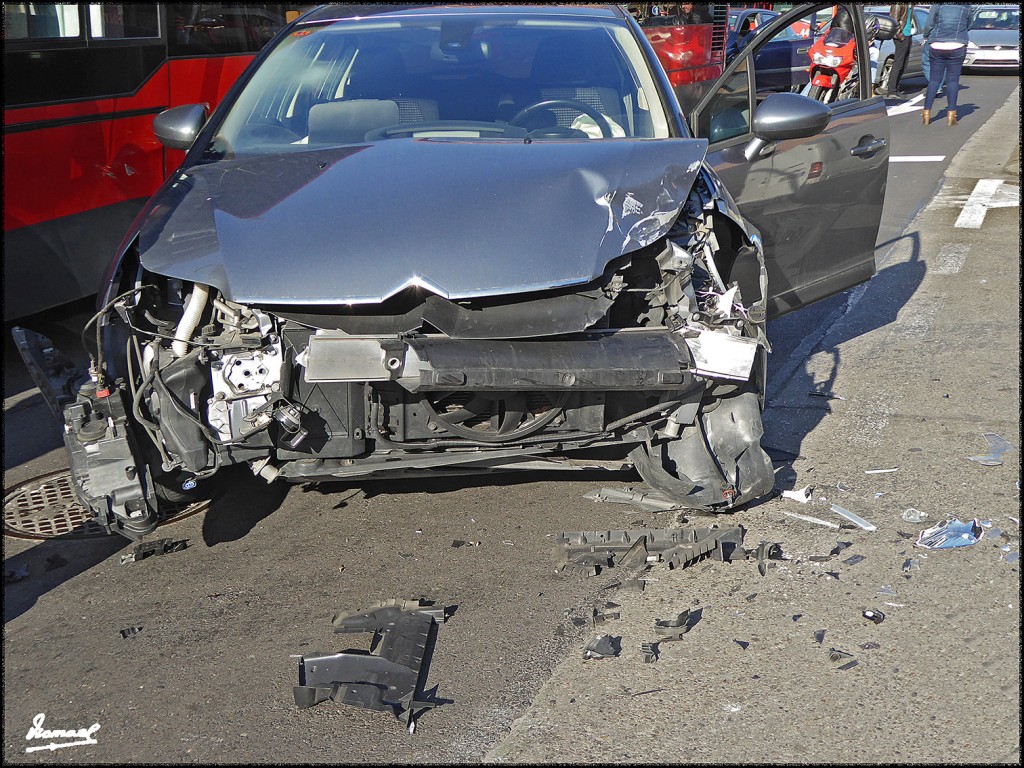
352 11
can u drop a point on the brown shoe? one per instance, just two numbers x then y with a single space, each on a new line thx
951 116
926 116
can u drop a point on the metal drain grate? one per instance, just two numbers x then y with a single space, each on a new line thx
46 507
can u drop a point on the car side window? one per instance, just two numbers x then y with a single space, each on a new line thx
727 114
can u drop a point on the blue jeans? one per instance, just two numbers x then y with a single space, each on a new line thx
925 65
944 65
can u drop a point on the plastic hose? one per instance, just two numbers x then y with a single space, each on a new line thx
190 319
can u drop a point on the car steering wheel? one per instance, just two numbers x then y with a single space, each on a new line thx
593 114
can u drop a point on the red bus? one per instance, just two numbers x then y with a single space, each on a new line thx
692 53
82 82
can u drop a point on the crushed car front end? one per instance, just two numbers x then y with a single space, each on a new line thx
435 297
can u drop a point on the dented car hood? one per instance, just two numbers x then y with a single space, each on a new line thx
460 218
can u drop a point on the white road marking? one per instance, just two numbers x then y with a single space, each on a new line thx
916 158
950 259
973 214
905 107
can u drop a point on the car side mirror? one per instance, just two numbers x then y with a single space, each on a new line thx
786 116
886 27
177 127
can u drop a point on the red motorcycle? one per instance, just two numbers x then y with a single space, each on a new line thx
833 58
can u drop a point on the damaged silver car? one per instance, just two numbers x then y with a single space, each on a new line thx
460 239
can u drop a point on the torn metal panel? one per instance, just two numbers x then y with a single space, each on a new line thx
390 676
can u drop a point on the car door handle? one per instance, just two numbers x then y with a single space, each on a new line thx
803 50
869 149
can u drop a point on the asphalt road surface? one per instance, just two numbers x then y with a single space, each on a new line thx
926 357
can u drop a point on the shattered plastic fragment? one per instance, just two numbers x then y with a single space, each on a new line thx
876 616
909 565
809 519
826 395
843 487
650 652
154 548
880 471
648 501
869 646
1011 558
853 560
997 446
731 708
840 546
952 533
819 636
887 590
603 647
671 630
848 665
742 644
803 495
913 515
129 631
855 519
835 654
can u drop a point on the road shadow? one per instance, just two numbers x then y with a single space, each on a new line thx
49 564
793 413
239 501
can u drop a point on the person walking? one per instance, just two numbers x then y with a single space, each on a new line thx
902 14
945 34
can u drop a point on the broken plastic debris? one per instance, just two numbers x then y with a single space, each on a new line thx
603 647
648 501
640 549
390 676
742 644
897 605
913 515
671 630
885 590
826 395
854 559
731 708
53 562
835 654
997 446
649 652
848 665
803 495
819 636
607 614
909 565
855 519
16 575
1011 558
840 546
809 519
129 631
843 487
879 471
869 646
876 616
879 494
154 548
952 533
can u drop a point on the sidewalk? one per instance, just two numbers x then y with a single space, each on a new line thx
927 358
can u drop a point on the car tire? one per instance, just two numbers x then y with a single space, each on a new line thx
816 93
721 451
883 75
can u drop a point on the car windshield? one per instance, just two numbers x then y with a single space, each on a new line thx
996 18
448 76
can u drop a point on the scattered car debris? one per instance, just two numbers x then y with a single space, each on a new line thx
649 651
879 494
840 546
952 533
779 455
154 548
831 574
630 585
897 605
17 574
671 630
603 647
638 550
803 495
819 636
886 590
459 543
848 665
880 471
834 654
129 631
913 515
997 446
609 613
826 395
809 519
909 565
742 644
854 559
53 562
771 551
843 487
855 519
869 646
1012 519
387 677
1012 557
731 708
797 616
645 500
875 616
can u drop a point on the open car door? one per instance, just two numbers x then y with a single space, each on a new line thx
817 200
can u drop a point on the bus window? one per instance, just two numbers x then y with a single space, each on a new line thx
222 28
40 21
118 21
